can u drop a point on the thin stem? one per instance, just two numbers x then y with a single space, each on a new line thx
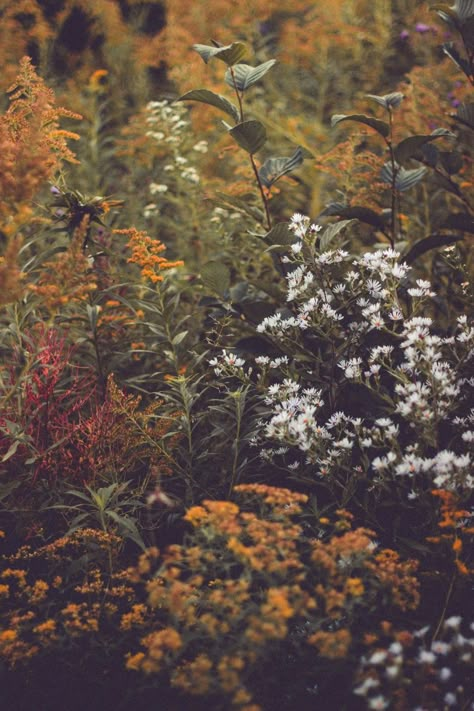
262 193
389 143
238 407
446 603
238 94
252 160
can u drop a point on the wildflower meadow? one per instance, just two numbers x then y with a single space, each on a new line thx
236 355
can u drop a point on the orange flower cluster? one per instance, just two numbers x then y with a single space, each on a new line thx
42 610
146 253
68 279
11 276
32 145
455 527
243 582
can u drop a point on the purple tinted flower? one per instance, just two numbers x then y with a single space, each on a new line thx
422 28
404 35
55 190
455 103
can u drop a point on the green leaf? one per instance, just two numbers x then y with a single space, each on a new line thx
427 243
358 212
11 450
330 232
216 277
452 161
242 76
450 50
93 313
388 101
179 338
404 179
279 238
240 204
275 168
410 146
461 11
250 135
128 528
379 126
230 54
465 115
462 221
212 99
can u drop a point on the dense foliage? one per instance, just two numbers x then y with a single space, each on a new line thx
236 422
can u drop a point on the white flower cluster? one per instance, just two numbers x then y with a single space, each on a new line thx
227 364
417 375
169 127
443 665
168 121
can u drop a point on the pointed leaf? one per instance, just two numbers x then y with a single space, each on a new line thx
450 50
410 146
462 10
275 168
364 214
446 13
330 232
280 235
216 276
388 101
250 135
452 161
333 208
462 221
379 126
230 54
239 203
465 115
404 179
427 243
242 76
212 99
11 450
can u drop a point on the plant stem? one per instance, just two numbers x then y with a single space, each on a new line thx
446 603
262 193
252 159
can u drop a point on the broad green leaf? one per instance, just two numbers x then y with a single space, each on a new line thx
462 221
388 101
239 203
250 135
404 179
330 232
230 54
275 168
465 115
427 243
212 99
452 161
242 76
410 146
446 13
357 212
279 238
216 277
461 11
450 50
379 126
